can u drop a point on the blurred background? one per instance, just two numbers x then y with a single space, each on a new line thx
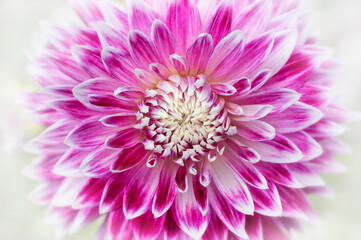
339 26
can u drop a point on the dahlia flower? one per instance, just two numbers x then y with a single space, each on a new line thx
184 119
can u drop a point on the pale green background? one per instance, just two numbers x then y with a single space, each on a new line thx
339 24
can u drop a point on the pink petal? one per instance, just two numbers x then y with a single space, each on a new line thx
253 112
233 219
88 134
140 191
69 164
295 118
129 93
129 158
166 192
184 21
309 147
83 218
126 138
254 54
98 162
187 215
142 49
254 19
232 187
179 63
89 59
113 194
118 226
201 196
223 89
116 15
70 107
216 229
279 98
141 16
295 204
282 49
225 55
245 153
110 37
267 201
120 65
305 175
220 23
91 194
256 130
181 179
278 150
147 226
199 53
119 120
316 96
248 172
279 173
254 227
68 191
163 40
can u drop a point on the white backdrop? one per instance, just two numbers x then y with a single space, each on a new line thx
339 25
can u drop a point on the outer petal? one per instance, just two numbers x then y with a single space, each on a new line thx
187 215
147 227
232 187
184 21
199 53
141 16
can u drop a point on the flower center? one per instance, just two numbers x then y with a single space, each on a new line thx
183 119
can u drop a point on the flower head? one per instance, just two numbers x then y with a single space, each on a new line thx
184 119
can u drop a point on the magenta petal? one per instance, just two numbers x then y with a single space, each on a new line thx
166 192
232 187
184 21
220 23
68 191
120 65
279 98
110 37
233 219
199 53
88 11
125 138
88 134
225 55
278 150
91 194
245 153
223 89
201 196
254 19
129 158
119 120
139 193
309 147
187 214
112 196
256 130
181 179
97 163
69 164
254 227
279 173
305 175
179 63
295 204
142 49
295 118
267 201
254 54
248 172
316 96
216 229
118 226
129 93
163 40
147 226
141 16
253 112
89 59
